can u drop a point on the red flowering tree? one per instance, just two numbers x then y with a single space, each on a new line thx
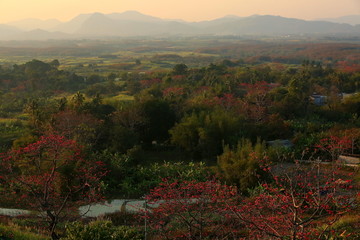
335 146
52 177
173 92
82 127
191 210
353 134
256 102
227 101
149 82
302 203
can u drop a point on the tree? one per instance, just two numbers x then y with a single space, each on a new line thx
205 133
256 102
353 134
81 127
40 111
191 210
33 109
52 177
334 146
78 100
35 72
241 166
302 203
159 118
299 91
55 63
180 69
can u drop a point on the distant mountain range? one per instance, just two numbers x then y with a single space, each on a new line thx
351 19
132 23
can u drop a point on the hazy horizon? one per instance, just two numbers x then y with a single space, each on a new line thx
187 10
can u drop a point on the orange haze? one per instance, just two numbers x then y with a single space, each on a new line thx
190 10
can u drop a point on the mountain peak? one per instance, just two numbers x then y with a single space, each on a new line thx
134 23
231 16
133 16
97 15
132 12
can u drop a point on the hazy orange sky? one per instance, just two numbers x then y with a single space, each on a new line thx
190 10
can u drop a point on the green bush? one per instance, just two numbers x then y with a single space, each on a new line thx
144 178
14 232
100 230
129 179
121 218
241 166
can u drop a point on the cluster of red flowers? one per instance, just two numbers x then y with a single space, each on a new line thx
173 91
293 206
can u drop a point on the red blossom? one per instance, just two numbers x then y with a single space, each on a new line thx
52 177
334 146
173 91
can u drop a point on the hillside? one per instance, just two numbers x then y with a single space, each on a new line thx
132 23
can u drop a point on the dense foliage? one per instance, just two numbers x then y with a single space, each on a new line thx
67 137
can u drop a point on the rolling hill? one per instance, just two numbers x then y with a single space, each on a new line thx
132 23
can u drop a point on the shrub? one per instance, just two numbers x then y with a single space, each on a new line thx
241 166
14 232
100 230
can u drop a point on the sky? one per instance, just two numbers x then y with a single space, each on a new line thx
189 10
